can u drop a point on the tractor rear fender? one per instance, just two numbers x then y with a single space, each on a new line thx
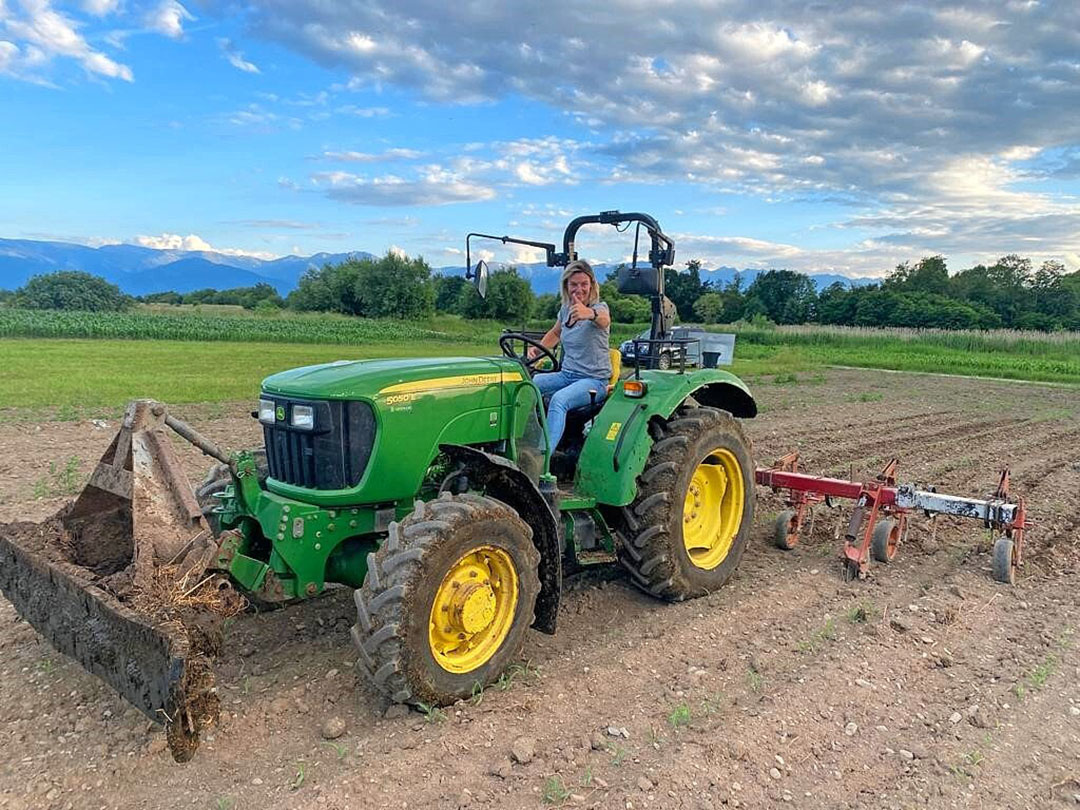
503 481
619 441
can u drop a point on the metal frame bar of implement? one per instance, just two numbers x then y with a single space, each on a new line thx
883 496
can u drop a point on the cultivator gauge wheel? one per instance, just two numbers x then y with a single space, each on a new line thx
885 541
1004 564
786 535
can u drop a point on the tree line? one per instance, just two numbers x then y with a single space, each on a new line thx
1011 293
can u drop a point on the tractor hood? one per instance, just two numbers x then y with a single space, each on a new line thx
349 379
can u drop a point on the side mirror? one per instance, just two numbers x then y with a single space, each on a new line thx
480 278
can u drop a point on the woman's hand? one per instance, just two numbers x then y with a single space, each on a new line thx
580 312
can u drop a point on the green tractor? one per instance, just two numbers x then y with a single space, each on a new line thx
426 485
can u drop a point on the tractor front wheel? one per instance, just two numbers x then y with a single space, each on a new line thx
447 600
686 530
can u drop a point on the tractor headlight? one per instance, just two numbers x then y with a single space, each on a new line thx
266 411
303 416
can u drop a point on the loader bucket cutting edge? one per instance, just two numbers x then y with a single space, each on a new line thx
146 664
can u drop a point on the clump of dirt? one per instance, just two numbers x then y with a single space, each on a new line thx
101 542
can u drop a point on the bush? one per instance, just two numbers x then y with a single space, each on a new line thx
72 290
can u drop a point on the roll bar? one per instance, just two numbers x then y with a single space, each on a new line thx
661 248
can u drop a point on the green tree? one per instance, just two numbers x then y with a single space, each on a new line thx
448 293
685 288
330 288
394 286
509 298
787 296
71 289
709 308
624 308
927 275
837 304
547 306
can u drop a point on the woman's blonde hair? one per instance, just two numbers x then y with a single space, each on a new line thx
579 266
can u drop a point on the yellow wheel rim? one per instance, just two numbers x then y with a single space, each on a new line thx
713 508
473 609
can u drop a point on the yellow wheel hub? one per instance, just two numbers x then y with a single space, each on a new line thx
473 609
713 508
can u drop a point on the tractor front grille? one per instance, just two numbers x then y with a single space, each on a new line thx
333 455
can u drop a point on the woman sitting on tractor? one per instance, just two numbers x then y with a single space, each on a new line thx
583 328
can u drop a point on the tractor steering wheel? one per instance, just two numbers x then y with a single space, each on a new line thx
506 343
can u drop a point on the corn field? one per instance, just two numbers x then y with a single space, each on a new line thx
29 323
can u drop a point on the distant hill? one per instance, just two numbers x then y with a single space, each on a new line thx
141 270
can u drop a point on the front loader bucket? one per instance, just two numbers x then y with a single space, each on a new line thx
110 580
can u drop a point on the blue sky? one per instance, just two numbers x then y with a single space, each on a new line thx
842 137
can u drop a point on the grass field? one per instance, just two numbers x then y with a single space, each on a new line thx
88 378
1040 356
73 365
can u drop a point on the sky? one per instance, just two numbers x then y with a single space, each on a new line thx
833 136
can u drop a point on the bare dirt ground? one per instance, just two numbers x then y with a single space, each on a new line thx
926 686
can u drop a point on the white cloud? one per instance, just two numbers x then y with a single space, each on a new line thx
193 242
41 34
168 18
371 157
363 112
435 186
99 8
877 104
235 57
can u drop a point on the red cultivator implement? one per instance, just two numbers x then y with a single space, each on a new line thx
879 519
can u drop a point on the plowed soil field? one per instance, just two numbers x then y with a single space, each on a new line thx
927 685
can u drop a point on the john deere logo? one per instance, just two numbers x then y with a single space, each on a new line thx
280 413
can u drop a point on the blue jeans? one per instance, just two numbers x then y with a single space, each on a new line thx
566 391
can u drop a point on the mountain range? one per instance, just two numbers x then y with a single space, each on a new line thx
139 270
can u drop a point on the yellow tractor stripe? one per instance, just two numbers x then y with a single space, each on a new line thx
459 381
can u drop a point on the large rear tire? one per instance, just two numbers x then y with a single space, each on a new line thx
686 530
447 600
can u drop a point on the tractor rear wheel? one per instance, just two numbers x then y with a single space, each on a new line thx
686 530
447 599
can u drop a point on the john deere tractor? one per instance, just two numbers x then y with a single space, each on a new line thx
427 486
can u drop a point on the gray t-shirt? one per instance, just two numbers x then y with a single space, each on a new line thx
585 346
